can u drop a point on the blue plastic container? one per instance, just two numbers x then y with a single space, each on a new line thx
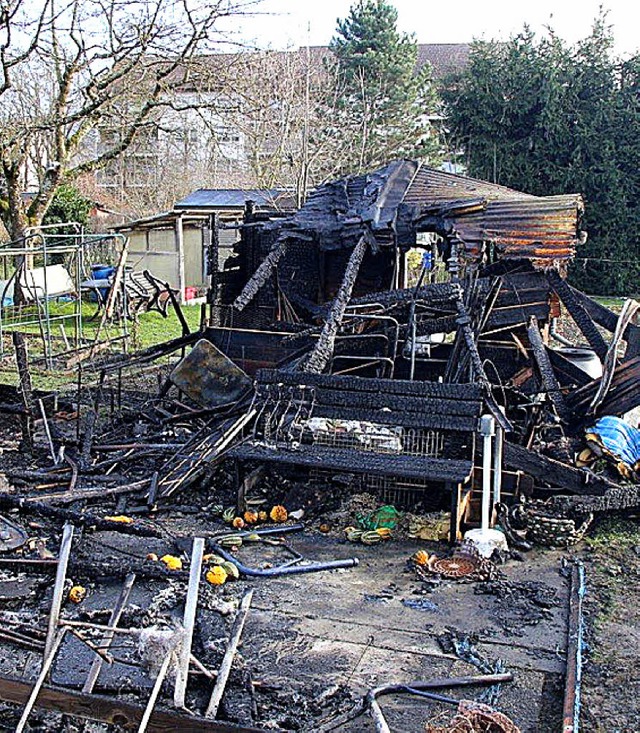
102 272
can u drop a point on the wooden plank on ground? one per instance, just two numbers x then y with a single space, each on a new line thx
103 709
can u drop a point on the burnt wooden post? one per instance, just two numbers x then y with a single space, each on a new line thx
179 242
213 265
578 313
24 385
547 375
454 491
323 350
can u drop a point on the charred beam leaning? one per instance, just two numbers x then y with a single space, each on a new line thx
547 375
578 313
323 350
101 708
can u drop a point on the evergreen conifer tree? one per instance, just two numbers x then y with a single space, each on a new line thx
384 101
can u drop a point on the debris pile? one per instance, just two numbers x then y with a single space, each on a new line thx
408 335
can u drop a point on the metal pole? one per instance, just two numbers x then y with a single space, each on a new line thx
227 661
497 465
575 643
58 588
487 430
189 621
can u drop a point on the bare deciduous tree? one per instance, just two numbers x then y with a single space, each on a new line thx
71 69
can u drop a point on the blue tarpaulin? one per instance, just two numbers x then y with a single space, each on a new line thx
619 440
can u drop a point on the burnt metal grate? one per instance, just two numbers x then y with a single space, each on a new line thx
369 437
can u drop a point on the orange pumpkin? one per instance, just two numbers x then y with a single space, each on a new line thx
278 514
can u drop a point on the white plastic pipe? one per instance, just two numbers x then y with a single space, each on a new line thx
497 465
487 430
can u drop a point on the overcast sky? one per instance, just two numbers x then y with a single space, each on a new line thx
298 22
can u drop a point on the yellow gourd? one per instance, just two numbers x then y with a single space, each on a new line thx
77 593
278 514
217 575
172 562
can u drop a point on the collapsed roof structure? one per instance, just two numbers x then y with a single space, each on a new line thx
324 303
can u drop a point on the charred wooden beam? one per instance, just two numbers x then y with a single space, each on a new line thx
428 326
435 293
556 474
352 461
397 403
40 508
633 343
12 409
573 375
615 499
462 391
547 375
516 315
623 394
323 350
103 709
606 318
579 313
261 275
24 388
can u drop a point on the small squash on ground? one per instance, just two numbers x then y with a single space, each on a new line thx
250 516
77 593
231 570
172 562
216 575
278 514
120 519
421 557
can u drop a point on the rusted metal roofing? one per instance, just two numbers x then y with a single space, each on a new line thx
519 225
540 229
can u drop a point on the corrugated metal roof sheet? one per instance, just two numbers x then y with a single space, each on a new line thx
535 228
540 228
232 198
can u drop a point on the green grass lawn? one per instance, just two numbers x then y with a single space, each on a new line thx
147 330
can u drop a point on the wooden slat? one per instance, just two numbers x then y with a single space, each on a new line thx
385 464
554 473
361 384
103 709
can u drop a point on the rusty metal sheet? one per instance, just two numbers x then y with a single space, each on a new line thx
208 377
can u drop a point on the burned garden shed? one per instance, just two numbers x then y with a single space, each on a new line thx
391 311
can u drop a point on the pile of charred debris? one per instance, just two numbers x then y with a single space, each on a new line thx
403 359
